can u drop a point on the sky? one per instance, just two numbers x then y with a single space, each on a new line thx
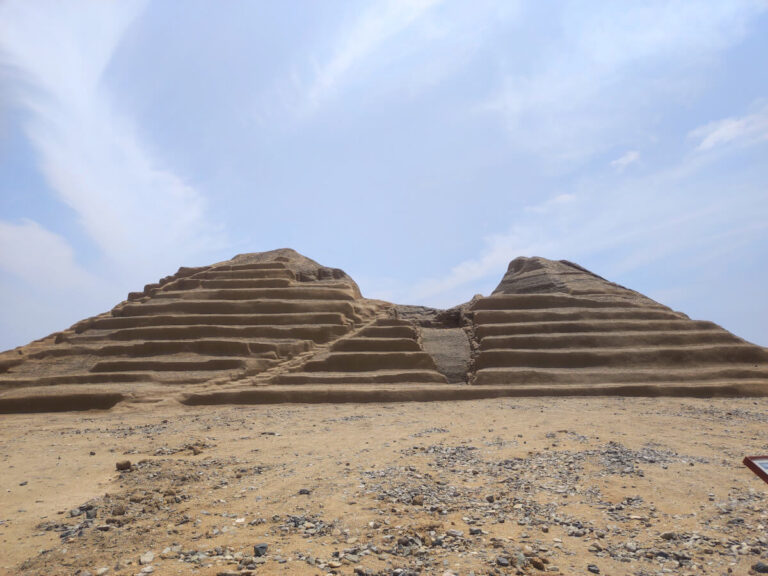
419 145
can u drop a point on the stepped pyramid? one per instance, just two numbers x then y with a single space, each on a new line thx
279 327
555 324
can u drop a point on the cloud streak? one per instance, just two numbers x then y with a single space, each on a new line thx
49 289
37 256
621 163
744 130
641 223
91 155
595 86
381 22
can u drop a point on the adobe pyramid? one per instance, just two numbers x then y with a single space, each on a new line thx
278 327
555 323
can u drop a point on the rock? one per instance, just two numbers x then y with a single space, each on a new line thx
668 536
260 550
594 569
146 558
75 512
502 561
305 492
475 531
417 500
118 510
760 568
123 465
490 498
536 563
90 514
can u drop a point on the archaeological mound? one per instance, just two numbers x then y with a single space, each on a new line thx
276 326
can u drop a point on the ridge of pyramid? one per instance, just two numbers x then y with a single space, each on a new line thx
306 269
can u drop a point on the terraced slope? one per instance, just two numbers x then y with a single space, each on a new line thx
556 324
385 352
278 327
225 321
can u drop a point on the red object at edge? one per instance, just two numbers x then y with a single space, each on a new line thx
749 463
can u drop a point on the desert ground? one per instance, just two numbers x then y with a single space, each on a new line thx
570 486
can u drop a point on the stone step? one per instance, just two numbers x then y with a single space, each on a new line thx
76 378
210 347
568 327
254 266
361 377
626 357
8 363
196 284
31 401
235 307
369 361
244 274
619 374
376 345
606 339
169 365
539 301
308 292
398 331
447 392
314 332
392 322
220 319
561 314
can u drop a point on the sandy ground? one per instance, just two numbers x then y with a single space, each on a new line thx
551 486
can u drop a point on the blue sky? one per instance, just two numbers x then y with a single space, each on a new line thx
418 145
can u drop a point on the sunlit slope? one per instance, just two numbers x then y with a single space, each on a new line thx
555 323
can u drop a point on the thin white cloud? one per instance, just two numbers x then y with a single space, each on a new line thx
523 238
38 257
138 212
621 163
44 287
744 130
551 204
380 22
630 225
598 83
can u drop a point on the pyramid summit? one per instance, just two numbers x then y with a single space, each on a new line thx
279 327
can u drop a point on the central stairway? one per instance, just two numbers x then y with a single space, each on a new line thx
386 352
